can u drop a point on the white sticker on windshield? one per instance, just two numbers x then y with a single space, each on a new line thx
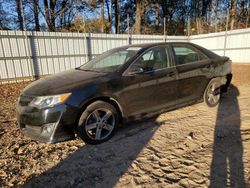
134 48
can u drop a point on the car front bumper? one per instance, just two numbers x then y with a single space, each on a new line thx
49 125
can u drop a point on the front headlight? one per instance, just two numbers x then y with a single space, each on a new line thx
49 101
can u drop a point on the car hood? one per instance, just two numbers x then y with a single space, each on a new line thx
62 82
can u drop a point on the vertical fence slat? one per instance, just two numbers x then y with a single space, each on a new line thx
51 48
11 55
18 53
79 49
65 68
57 53
28 54
5 63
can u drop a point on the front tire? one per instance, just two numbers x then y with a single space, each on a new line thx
97 123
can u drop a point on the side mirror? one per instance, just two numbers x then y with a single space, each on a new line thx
136 70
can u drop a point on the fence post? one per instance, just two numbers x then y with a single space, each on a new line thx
129 37
88 46
33 50
164 29
188 29
32 55
225 39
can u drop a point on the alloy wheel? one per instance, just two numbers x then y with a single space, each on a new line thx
100 124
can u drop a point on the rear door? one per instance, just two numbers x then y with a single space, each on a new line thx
193 72
150 82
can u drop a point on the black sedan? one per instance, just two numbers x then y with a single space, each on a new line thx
123 84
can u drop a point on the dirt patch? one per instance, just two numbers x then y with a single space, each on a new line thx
195 146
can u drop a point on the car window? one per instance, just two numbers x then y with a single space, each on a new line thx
111 61
148 56
154 59
186 54
114 59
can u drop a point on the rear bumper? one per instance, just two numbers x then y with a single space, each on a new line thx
45 125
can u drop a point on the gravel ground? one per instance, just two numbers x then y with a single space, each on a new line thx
195 146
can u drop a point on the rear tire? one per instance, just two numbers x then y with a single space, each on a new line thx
212 93
97 123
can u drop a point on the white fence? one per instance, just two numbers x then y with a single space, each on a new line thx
234 44
25 55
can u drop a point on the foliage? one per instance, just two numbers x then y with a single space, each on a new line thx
111 16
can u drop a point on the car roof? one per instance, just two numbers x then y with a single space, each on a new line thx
148 45
144 46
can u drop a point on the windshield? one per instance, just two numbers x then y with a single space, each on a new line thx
111 60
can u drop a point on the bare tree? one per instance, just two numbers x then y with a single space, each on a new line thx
19 13
52 15
138 18
63 17
233 13
248 13
36 15
108 10
145 16
102 19
157 9
3 17
116 5
215 7
56 8
47 14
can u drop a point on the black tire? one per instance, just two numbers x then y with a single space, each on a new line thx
212 94
89 119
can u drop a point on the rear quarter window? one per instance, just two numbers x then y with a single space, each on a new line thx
187 54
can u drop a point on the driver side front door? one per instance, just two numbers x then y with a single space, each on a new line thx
150 83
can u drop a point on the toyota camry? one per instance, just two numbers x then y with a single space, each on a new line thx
120 85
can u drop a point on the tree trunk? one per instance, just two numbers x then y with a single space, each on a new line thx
20 15
233 13
216 15
164 6
52 15
248 14
102 17
108 10
116 5
47 14
197 26
69 18
157 20
36 15
138 19
204 8
109 15
209 17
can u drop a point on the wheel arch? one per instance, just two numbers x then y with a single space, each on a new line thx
107 99
224 80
